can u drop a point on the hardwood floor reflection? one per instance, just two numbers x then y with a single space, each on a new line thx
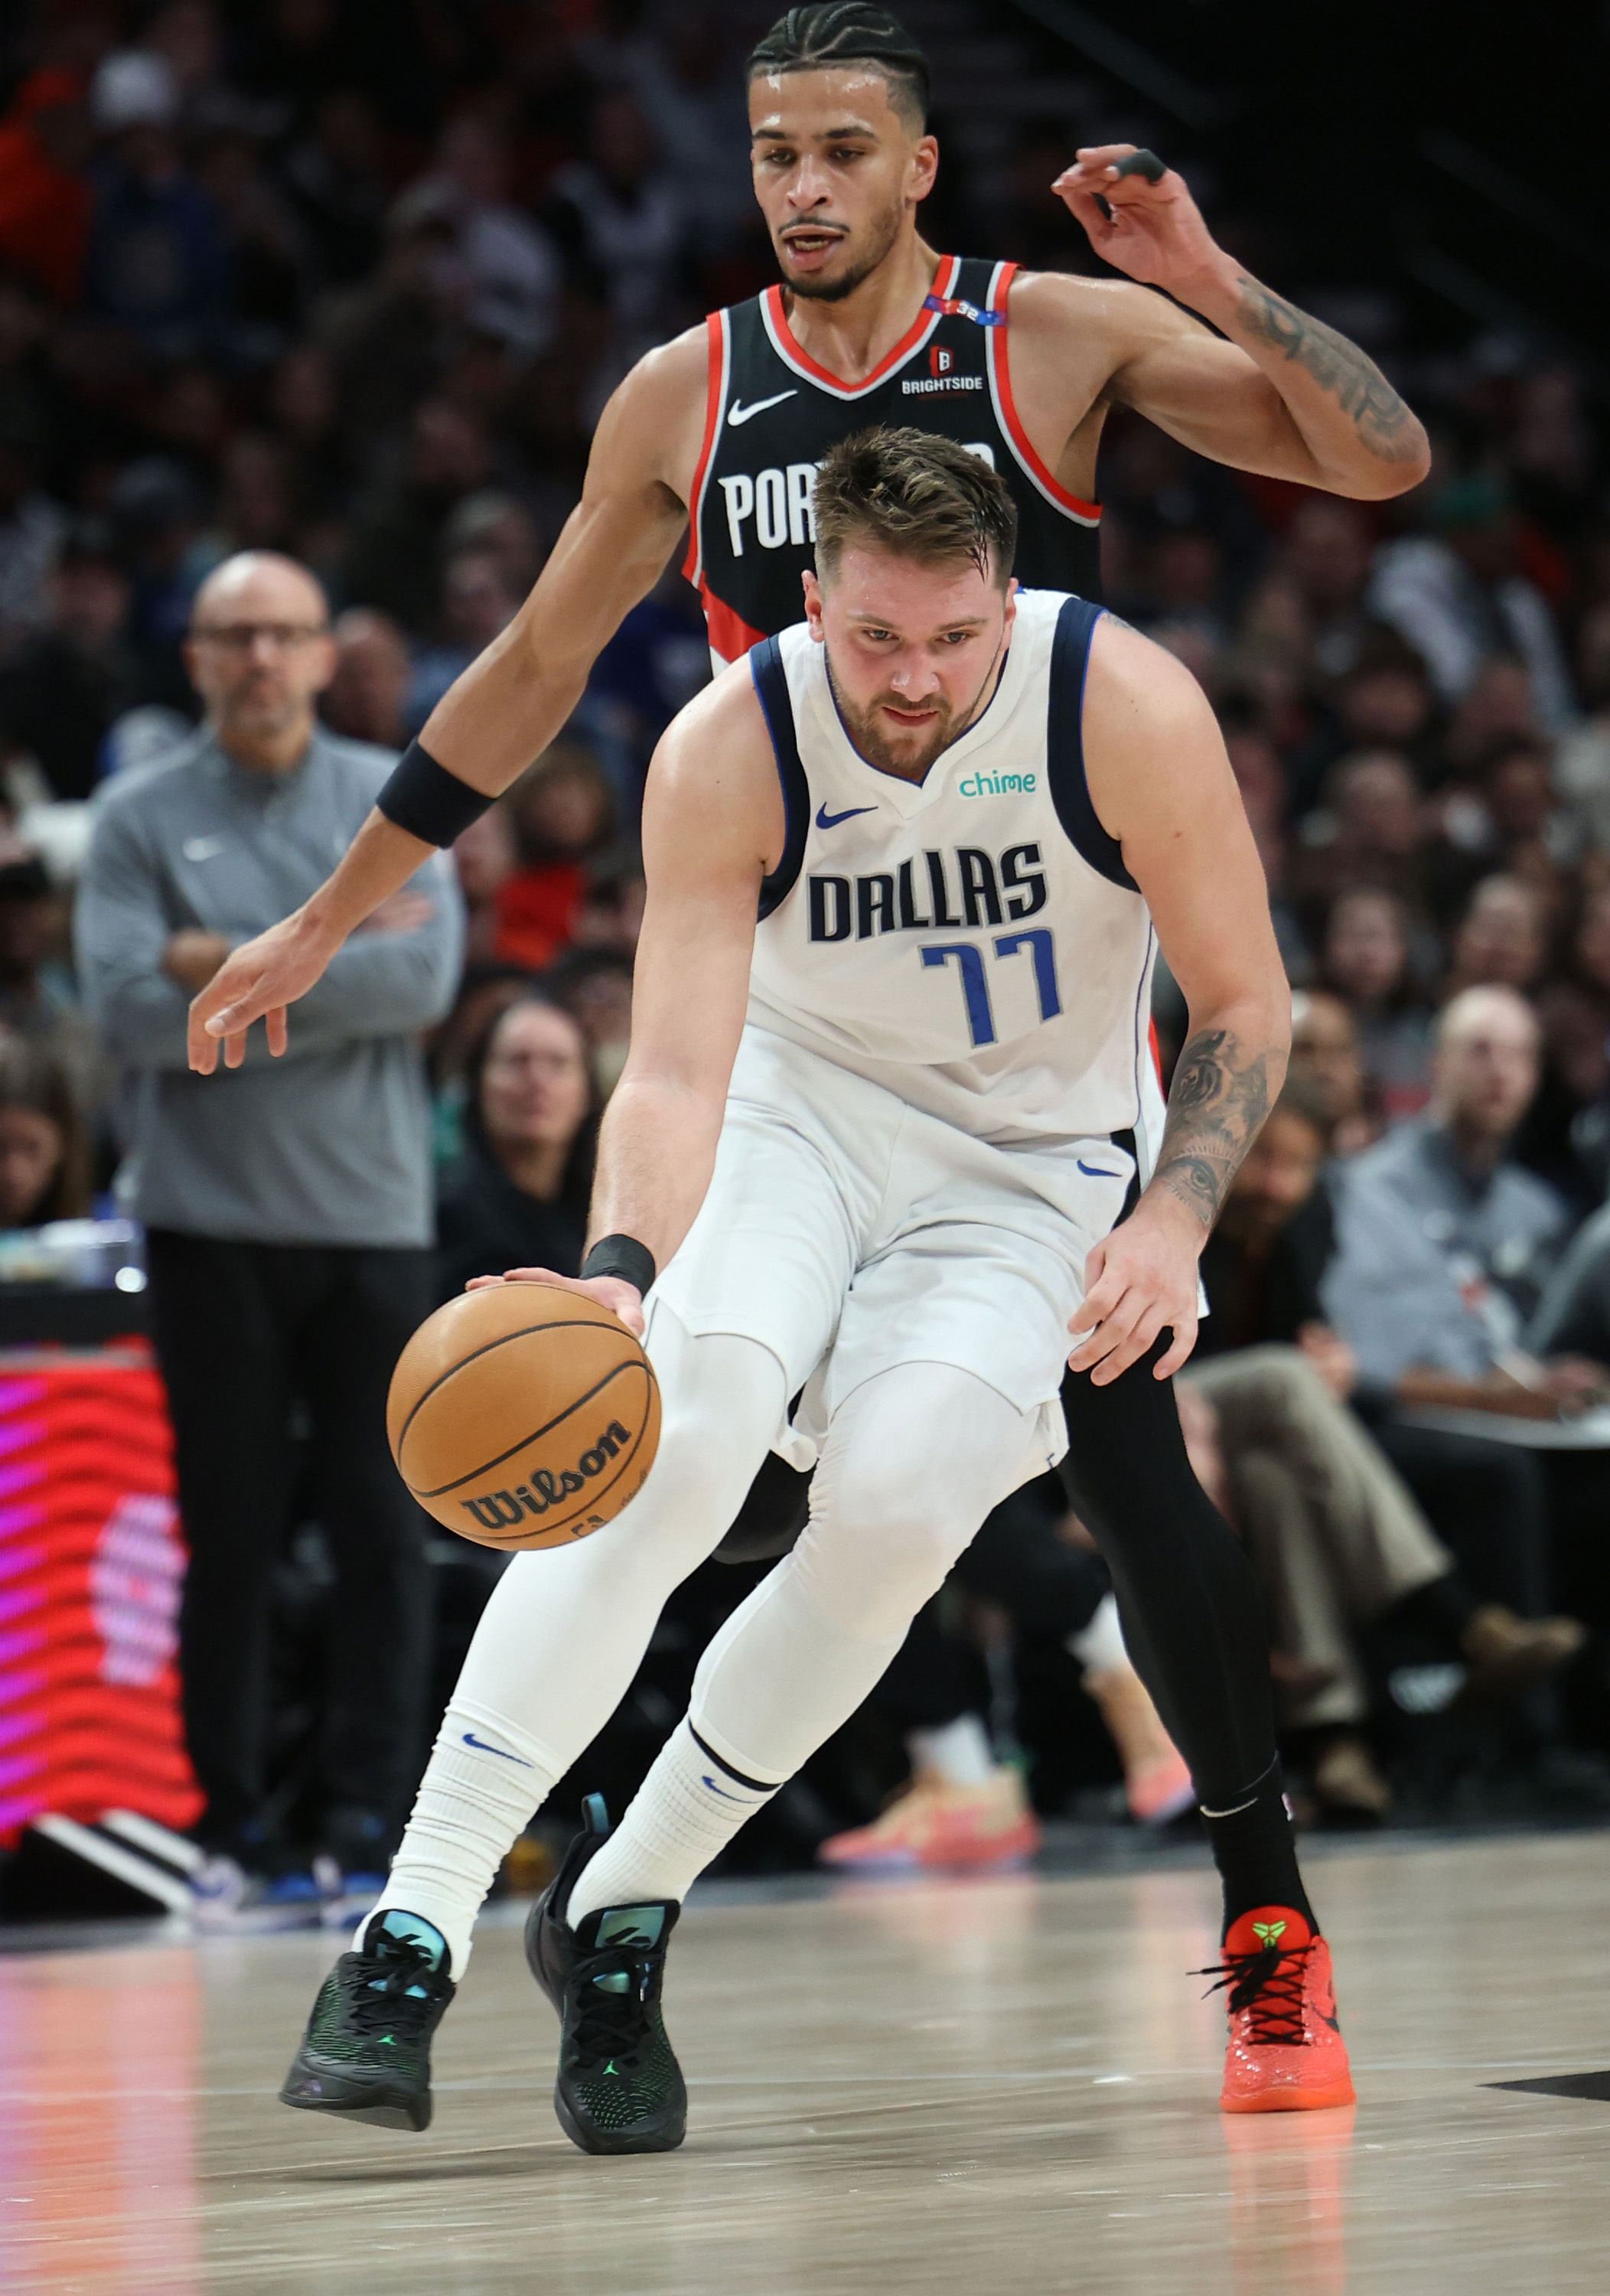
926 2088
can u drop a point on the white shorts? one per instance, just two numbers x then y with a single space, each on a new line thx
848 1232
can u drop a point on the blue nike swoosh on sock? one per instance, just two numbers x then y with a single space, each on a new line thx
481 1747
721 1791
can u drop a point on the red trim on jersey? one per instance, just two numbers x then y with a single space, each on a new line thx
717 342
729 634
1019 437
1151 1039
944 279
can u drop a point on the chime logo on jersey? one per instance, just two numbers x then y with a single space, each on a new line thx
966 888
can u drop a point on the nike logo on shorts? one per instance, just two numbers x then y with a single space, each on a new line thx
826 820
481 1747
740 413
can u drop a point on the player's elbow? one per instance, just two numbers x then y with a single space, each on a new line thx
1389 461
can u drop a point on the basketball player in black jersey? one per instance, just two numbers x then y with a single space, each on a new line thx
724 425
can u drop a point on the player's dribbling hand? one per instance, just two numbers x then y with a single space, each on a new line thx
256 983
1154 232
1139 1281
612 1291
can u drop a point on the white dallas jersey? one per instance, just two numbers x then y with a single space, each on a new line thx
973 942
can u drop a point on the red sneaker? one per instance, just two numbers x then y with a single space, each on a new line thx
1286 2051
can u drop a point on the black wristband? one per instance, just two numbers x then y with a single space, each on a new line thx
427 800
623 1256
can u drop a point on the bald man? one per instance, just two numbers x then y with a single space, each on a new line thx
1443 1242
290 1218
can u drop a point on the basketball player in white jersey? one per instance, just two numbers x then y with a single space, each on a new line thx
878 1146
719 432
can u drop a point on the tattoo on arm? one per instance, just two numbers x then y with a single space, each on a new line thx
1216 1106
1380 417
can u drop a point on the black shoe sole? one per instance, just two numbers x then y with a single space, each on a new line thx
588 2140
375 2103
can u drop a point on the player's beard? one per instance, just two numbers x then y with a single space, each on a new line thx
884 231
871 743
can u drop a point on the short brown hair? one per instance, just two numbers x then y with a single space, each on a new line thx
916 495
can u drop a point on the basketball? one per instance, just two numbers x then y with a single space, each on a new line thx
523 1415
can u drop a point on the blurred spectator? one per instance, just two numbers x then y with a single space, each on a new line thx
38 1003
478 605
61 689
31 525
1582 761
333 171
1365 963
366 698
1324 1057
287 1203
512 269
157 264
486 859
562 814
1458 597
44 202
393 561
44 1146
517 1197
1327 556
1371 831
1444 1242
694 94
1501 940
595 985
619 223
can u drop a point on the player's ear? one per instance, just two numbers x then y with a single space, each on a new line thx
813 603
925 166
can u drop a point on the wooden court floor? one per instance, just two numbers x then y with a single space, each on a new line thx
987 2086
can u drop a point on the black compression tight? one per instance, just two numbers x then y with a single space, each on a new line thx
1192 1615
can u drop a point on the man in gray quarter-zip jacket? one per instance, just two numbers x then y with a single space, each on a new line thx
288 1204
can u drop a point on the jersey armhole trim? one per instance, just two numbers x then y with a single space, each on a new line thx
715 345
996 353
771 689
1065 744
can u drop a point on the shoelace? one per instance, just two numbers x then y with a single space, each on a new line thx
1273 1996
383 1998
611 2025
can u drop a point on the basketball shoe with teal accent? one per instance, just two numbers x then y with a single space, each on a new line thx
619 2088
366 2052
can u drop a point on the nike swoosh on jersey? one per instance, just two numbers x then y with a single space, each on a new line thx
1097 1171
826 820
738 413
481 1747
202 848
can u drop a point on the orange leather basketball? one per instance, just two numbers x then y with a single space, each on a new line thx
523 1415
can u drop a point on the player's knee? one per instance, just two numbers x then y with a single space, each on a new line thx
875 1560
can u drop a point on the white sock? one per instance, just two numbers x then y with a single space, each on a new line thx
684 1813
1099 1645
481 1787
960 1751
566 1627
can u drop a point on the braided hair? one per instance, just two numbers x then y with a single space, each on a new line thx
833 32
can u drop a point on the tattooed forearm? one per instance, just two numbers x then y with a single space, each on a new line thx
1380 417
1216 1105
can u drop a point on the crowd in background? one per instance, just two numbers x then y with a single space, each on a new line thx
353 284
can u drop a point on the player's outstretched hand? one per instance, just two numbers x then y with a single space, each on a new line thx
1139 1281
1153 228
256 983
612 1291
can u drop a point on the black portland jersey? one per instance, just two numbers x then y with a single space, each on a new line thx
772 413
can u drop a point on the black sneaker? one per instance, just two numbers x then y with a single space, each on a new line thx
366 2052
619 2088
